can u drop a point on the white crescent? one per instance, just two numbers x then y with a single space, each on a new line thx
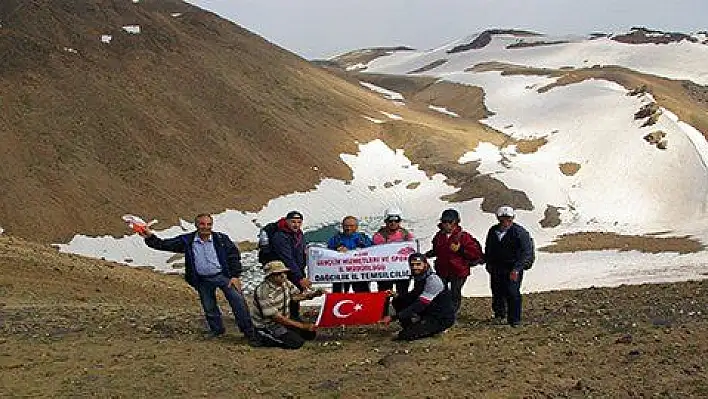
336 311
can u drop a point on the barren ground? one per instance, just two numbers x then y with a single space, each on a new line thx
77 327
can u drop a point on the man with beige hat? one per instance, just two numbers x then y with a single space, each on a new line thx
271 313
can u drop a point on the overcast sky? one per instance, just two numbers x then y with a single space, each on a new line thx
322 28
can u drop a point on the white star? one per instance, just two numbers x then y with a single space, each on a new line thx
358 307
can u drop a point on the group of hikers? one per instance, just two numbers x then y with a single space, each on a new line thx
273 319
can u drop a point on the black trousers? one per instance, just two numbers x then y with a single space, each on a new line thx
506 296
455 284
284 337
421 328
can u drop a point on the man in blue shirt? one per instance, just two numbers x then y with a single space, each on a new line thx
211 261
347 240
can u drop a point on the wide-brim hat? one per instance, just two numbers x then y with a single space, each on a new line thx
275 266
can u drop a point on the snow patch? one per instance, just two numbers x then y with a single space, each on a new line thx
388 94
106 38
392 116
680 60
132 29
697 139
176 14
484 151
356 67
374 120
325 205
443 110
70 50
376 165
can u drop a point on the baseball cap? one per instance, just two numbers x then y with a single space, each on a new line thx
450 215
506 211
393 214
417 256
293 215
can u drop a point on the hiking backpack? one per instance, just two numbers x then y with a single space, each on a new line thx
265 242
529 264
476 243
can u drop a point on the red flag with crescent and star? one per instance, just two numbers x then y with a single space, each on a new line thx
351 309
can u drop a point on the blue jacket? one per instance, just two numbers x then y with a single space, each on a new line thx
513 252
352 241
227 252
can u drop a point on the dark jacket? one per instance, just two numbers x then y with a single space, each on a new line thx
289 247
513 252
440 308
227 252
454 264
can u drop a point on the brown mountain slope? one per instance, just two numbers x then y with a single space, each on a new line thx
83 327
193 113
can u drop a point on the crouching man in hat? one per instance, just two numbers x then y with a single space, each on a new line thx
427 309
271 310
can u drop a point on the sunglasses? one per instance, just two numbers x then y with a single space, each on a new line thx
393 220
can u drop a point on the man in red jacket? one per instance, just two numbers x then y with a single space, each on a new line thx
456 250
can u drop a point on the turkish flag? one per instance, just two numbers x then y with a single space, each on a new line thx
351 309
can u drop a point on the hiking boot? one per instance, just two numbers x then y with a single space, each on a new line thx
515 324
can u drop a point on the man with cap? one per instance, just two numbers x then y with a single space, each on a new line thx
455 251
508 251
211 261
427 309
288 246
271 310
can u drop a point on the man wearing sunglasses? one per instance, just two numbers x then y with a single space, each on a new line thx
392 231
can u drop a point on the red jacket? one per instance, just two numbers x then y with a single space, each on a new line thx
454 264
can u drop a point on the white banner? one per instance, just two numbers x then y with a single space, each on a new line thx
377 263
